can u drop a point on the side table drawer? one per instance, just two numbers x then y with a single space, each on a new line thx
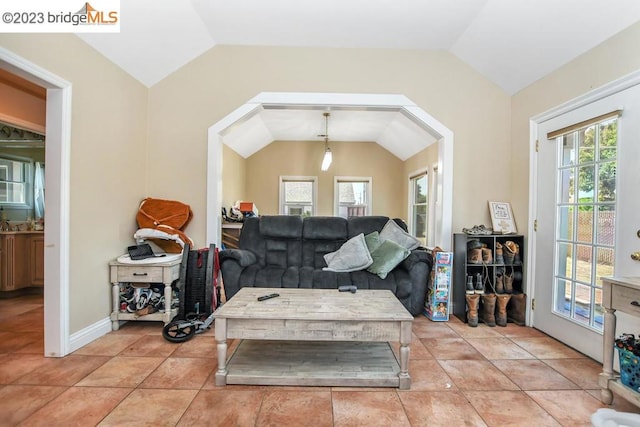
140 274
626 300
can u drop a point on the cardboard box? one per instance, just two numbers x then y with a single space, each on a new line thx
439 289
248 208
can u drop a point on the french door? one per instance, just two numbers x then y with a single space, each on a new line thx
587 212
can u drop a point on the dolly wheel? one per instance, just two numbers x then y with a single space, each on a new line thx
179 331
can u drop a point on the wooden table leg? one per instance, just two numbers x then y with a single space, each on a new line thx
221 339
405 341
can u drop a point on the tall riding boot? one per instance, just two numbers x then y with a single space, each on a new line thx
502 301
472 309
488 309
517 308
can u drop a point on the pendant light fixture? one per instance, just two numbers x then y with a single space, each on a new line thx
326 160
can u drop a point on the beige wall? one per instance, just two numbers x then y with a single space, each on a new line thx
362 159
184 105
108 162
234 172
613 59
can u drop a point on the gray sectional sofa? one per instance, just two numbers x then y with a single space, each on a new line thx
288 252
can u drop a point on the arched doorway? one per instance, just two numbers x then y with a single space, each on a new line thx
293 100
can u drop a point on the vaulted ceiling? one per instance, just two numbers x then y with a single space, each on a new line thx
513 43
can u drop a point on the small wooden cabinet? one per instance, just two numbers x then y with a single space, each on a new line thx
36 260
21 260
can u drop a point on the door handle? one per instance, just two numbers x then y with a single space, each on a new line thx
139 274
635 256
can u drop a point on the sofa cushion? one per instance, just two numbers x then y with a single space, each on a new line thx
324 228
392 231
386 257
366 224
281 226
353 255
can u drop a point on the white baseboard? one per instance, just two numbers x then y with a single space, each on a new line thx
89 334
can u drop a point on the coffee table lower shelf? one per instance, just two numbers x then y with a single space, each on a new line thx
314 363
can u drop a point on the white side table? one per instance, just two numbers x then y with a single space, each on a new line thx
161 272
618 293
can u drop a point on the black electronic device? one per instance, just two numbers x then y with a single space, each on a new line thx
265 297
348 288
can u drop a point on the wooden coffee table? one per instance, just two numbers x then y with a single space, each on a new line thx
314 337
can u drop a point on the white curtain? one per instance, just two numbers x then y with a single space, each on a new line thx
38 191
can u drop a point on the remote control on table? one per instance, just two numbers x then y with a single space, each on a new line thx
348 288
264 297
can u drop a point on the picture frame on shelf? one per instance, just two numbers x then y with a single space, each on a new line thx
502 218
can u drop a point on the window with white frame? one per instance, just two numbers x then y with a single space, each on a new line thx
15 181
352 196
298 195
419 206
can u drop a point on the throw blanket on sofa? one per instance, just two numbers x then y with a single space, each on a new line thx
291 251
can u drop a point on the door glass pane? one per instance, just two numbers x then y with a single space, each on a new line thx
585 184
563 297
583 263
604 264
564 256
585 225
608 140
568 150
606 225
607 182
565 223
583 303
566 186
586 140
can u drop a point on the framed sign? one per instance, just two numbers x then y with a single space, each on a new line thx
502 218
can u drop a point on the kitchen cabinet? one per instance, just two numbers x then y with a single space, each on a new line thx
21 260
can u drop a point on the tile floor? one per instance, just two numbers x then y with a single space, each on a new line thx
460 376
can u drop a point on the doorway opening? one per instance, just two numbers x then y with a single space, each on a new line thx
328 101
56 244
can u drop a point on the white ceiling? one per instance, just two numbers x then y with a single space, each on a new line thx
511 42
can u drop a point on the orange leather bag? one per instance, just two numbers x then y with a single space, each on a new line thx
169 216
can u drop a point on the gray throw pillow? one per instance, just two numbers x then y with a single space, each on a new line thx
392 231
388 255
353 255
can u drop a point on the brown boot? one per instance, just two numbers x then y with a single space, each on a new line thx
487 258
502 301
472 309
488 310
474 256
508 282
499 282
499 254
516 309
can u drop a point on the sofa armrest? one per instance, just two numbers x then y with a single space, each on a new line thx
243 257
417 256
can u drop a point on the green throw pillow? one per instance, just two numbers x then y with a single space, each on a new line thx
386 257
373 241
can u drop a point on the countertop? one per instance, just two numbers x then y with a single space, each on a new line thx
22 232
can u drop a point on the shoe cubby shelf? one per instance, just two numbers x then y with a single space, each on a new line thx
476 254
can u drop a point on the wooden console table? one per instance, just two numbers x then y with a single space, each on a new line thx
619 293
161 272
